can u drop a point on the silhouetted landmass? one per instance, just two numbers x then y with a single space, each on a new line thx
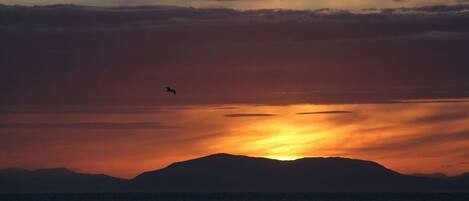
431 175
228 173
464 178
231 173
58 180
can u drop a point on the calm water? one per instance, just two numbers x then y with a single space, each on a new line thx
238 196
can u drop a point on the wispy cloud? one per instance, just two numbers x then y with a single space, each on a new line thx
410 142
85 125
227 108
443 116
249 115
325 112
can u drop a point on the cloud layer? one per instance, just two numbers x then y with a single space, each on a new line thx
86 55
250 4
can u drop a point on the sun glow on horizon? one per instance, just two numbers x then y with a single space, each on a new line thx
288 136
284 158
421 131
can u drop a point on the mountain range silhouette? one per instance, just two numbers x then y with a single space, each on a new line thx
232 173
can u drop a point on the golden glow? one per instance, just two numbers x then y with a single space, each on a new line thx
274 139
407 137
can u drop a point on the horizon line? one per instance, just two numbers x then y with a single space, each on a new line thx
75 170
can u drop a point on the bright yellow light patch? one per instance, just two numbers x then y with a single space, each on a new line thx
279 137
282 141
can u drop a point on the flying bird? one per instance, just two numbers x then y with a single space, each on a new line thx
168 89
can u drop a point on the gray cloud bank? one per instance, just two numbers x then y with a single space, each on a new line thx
89 55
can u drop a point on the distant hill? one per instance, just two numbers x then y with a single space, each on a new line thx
231 173
431 175
464 178
55 180
226 173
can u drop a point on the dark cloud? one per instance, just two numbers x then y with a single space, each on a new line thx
249 115
438 8
86 125
63 55
432 101
226 108
326 112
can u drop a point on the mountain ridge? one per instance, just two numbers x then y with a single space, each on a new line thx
236 173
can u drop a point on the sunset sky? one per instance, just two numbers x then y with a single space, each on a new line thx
83 86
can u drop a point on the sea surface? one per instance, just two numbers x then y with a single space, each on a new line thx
239 196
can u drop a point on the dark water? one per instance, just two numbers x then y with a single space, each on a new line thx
239 197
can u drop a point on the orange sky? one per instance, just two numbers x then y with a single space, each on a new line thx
408 137
84 88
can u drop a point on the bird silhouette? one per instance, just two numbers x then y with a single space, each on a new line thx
168 89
